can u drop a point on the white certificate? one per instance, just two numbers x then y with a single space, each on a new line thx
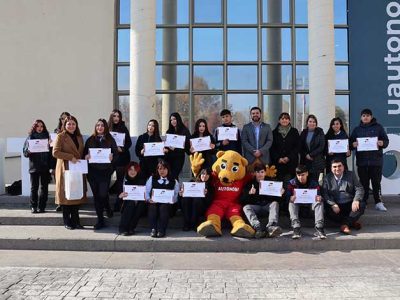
271 188
201 143
80 166
36 146
227 133
175 141
367 144
119 138
135 192
153 149
163 196
99 155
53 137
306 196
338 146
194 189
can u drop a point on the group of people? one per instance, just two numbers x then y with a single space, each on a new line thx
300 160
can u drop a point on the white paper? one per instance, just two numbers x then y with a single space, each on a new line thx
135 192
271 188
99 155
81 166
338 146
53 137
175 141
367 144
194 189
201 144
37 146
73 183
163 196
306 196
153 149
227 133
119 138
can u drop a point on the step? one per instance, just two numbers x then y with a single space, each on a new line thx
58 238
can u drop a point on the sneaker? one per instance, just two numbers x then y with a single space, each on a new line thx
296 233
274 231
153 233
58 208
379 206
345 229
356 225
320 233
34 210
260 234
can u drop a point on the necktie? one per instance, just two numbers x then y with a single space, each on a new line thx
164 181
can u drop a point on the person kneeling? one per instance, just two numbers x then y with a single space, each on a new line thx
343 194
256 205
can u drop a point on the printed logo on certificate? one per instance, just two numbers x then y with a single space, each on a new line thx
135 192
367 144
227 133
153 149
99 155
271 188
162 196
338 146
119 138
175 141
305 196
38 146
194 189
201 144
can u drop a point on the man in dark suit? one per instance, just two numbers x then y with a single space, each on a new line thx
256 139
343 195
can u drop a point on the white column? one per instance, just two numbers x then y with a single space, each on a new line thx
142 71
321 53
2 168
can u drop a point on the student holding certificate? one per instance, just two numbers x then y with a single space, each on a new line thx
131 210
256 206
159 210
148 164
303 182
336 131
99 174
39 163
226 144
194 208
68 148
201 130
369 163
116 124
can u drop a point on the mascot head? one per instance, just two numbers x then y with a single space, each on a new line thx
230 166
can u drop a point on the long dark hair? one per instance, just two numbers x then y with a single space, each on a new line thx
60 121
71 118
330 130
156 129
179 124
197 125
107 135
35 125
165 164
110 119
204 171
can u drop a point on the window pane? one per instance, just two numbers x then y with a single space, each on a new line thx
301 44
240 105
169 103
208 78
172 12
207 44
302 78
276 11
276 44
123 78
242 11
342 110
301 15
207 11
341 53
276 77
302 110
340 11
123 45
125 11
172 77
123 106
342 77
172 44
242 44
208 107
242 77
273 106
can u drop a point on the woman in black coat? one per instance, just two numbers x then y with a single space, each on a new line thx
312 146
336 132
116 124
285 148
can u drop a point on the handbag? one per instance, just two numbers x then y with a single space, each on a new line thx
73 182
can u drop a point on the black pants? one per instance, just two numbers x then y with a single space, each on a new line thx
373 173
71 215
41 199
193 209
130 215
159 216
346 216
100 184
120 171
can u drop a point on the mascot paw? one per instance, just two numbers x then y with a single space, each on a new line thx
244 231
196 161
270 171
207 229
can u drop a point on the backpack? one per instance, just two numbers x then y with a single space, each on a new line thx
15 188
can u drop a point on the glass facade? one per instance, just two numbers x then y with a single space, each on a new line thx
235 54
